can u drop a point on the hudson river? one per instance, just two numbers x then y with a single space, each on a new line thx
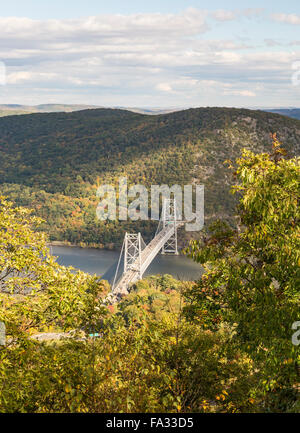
103 263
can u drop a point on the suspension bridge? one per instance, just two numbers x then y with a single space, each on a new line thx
138 255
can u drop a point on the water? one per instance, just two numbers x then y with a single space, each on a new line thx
103 263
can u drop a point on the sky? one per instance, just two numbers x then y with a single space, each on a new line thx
150 53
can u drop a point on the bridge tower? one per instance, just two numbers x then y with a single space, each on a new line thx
132 253
169 218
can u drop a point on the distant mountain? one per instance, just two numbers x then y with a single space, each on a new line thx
151 111
16 109
54 162
290 112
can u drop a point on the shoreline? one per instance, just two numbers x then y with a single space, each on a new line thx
85 247
69 244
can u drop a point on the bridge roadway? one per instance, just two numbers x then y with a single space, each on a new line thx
147 255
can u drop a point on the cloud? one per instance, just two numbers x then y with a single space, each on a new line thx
286 18
22 76
222 15
178 85
191 21
140 59
164 87
272 43
253 12
239 93
227 15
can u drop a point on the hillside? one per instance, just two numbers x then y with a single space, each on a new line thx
54 162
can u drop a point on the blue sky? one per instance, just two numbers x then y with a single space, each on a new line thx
151 54
41 9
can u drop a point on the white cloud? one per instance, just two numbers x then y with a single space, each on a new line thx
239 93
222 15
147 59
164 87
191 21
228 57
253 12
22 76
227 15
177 85
287 18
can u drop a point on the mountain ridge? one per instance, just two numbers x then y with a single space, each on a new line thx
19 109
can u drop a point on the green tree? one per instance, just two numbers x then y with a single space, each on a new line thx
252 274
38 295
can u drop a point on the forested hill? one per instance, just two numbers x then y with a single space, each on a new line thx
54 162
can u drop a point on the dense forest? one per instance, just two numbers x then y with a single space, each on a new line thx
54 162
226 343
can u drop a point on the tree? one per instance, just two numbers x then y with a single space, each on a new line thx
252 273
38 295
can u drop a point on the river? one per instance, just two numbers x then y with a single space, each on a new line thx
103 263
